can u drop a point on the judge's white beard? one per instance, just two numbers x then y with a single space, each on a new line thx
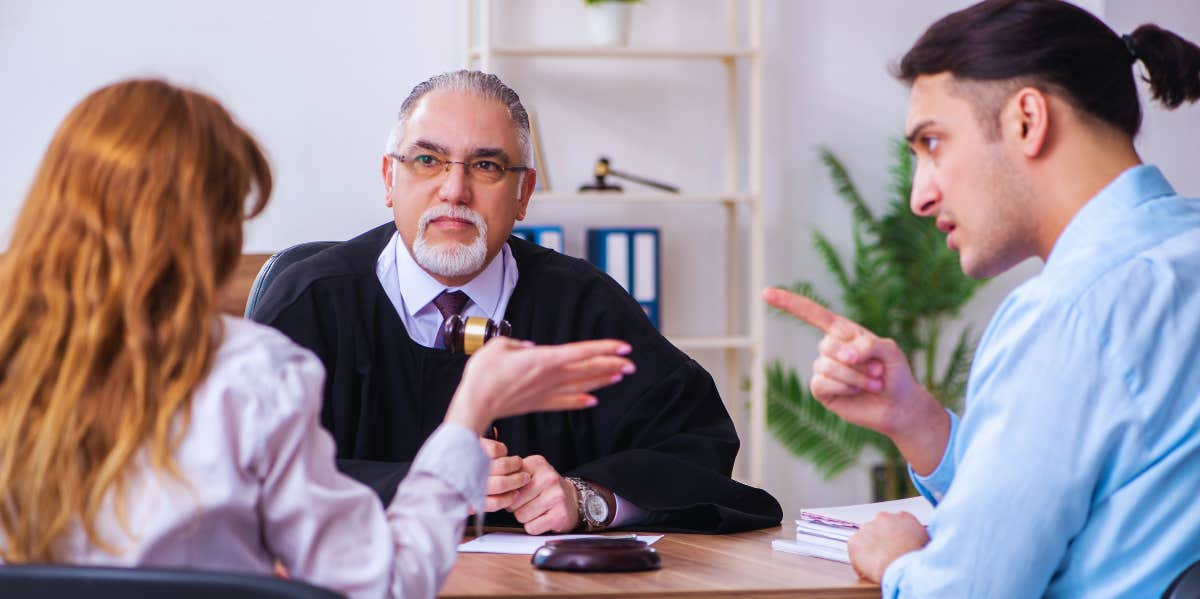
451 259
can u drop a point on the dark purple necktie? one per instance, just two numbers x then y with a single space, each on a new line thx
449 303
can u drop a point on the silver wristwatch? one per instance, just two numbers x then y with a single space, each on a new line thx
594 511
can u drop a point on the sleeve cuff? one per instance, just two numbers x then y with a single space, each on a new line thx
890 585
627 513
933 486
453 454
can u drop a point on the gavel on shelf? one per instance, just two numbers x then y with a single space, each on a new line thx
604 169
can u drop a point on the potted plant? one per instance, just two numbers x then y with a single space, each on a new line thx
903 283
608 21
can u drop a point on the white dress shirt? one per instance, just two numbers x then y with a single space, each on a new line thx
261 485
412 291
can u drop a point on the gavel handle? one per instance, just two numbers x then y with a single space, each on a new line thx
643 181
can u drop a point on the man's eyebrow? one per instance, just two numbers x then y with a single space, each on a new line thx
911 136
435 147
490 153
425 144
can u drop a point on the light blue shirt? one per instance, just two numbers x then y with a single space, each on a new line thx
1075 470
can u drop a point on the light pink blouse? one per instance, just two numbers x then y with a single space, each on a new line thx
262 485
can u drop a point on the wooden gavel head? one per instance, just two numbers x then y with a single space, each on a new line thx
601 169
467 335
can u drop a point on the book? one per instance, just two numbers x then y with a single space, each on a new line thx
547 236
630 257
823 532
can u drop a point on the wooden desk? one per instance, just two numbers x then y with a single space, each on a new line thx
739 565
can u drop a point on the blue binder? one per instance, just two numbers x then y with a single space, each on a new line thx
630 257
548 236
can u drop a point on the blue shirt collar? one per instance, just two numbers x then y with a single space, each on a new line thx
1094 221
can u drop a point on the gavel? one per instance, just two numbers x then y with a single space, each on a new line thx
603 169
467 335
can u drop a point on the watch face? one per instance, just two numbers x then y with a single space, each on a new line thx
597 509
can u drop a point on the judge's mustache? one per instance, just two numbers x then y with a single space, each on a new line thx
457 211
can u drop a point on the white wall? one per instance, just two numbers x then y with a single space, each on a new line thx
319 82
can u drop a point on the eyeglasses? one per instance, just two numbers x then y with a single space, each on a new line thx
428 166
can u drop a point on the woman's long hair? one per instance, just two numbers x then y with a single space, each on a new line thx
108 301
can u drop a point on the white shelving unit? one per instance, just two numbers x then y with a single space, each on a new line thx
737 342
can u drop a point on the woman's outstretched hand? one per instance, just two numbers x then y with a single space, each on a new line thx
508 377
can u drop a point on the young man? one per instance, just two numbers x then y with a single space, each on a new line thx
1074 471
657 450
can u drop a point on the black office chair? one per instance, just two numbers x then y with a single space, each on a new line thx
1186 585
276 264
73 582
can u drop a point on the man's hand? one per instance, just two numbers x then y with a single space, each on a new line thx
879 542
505 477
866 380
547 503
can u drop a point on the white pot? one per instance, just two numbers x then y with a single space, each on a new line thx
609 23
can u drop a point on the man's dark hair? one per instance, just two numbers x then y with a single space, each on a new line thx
1059 48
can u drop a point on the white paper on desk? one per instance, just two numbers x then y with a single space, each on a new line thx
854 516
519 544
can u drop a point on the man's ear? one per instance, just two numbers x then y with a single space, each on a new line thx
528 182
386 171
1026 121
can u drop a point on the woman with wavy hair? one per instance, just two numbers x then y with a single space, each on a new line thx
138 426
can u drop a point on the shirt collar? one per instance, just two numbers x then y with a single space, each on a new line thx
419 288
1094 221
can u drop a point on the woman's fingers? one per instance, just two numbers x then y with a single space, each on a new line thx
565 401
568 353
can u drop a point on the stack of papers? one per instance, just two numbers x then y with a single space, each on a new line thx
823 532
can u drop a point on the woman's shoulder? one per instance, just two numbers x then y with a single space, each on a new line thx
260 364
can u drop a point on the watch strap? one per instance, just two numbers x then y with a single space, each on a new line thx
583 489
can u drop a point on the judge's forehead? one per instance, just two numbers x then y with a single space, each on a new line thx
461 120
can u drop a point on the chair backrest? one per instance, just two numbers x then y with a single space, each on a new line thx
1186 585
73 582
276 264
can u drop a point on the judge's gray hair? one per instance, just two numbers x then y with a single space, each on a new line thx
483 85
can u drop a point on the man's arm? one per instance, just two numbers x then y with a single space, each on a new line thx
1048 412
866 380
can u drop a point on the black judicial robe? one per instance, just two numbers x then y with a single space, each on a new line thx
661 438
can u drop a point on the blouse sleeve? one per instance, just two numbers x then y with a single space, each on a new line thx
330 530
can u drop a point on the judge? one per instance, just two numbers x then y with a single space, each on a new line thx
658 450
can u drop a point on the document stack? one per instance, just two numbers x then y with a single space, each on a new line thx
823 532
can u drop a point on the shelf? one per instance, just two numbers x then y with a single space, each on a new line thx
692 343
616 52
740 345
664 198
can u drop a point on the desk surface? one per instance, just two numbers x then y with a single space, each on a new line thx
737 565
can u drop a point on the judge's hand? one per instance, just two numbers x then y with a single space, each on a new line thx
879 542
866 380
547 503
508 377
504 478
